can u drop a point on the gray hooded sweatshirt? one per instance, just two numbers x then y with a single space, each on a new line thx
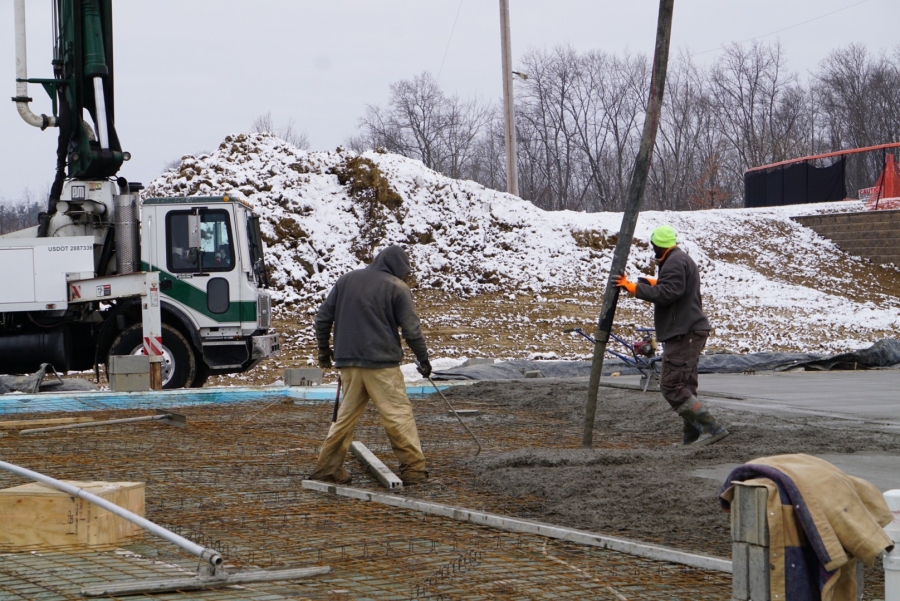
367 308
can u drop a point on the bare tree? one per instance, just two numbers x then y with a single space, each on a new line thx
858 105
265 124
687 172
21 213
759 106
421 122
579 117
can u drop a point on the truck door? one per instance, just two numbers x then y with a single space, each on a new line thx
200 251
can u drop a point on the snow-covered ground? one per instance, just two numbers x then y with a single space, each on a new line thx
768 282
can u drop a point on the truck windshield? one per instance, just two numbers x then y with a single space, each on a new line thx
256 252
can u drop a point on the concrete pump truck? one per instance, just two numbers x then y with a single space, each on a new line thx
179 279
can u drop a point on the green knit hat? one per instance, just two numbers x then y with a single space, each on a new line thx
663 236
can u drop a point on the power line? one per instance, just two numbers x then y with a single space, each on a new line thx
785 28
447 49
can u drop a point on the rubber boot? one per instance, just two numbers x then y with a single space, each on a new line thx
710 430
690 434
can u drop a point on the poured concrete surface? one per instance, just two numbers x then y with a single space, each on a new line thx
863 397
870 396
881 469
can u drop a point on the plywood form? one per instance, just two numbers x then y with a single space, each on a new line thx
37 516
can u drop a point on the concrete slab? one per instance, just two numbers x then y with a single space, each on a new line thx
881 469
868 396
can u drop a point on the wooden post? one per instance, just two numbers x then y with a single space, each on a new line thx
156 382
509 115
750 563
750 544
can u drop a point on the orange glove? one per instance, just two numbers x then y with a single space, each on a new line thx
622 282
646 280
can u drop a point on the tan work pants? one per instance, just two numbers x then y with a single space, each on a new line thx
387 390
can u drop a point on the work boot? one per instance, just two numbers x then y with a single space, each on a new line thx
690 433
412 478
341 477
710 430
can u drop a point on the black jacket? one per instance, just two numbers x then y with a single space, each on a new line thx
367 307
678 308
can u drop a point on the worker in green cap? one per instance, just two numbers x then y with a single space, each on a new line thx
683 329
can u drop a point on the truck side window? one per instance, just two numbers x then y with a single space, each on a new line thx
216 252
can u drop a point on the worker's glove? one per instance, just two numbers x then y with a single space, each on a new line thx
424 368
325 356
623 282
647 280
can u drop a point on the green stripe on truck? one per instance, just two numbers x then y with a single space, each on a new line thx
196 299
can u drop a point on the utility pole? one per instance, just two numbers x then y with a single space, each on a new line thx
512 165
632 210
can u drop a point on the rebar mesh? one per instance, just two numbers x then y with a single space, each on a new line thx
231 480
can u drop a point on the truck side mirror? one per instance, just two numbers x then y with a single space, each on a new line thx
194 230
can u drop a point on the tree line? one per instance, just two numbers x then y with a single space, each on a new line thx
21 213
579 118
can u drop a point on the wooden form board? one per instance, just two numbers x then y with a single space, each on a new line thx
36 516
16 424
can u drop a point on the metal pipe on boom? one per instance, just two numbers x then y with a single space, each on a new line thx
21 99
632 210
95 67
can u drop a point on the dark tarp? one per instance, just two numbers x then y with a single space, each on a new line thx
43 380
797 183
884 353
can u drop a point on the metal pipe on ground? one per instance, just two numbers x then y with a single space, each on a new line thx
632 210
209 555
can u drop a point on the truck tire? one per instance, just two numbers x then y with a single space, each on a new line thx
179 363
202 374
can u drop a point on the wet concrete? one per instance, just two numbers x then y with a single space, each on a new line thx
637 482
863 397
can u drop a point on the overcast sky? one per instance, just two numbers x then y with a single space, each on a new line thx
189 72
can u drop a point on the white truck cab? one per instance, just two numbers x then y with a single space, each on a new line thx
73 302
208 252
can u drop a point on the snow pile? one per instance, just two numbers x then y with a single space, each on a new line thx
461 237
766 278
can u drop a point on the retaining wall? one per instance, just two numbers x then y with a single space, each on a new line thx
874 235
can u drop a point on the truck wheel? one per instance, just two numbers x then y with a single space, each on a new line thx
202 374
179 366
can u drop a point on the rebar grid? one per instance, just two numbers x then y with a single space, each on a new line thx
231 481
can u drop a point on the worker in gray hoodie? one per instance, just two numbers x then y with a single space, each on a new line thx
367 307
683 328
